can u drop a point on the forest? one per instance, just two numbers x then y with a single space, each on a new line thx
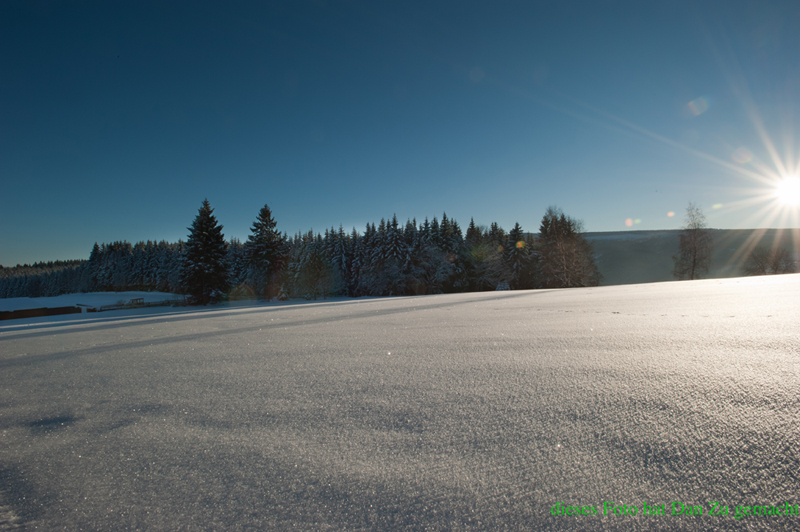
390 258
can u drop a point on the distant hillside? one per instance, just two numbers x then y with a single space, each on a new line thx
630 257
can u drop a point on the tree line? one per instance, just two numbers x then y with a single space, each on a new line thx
118 266
39 278
390 258
431 257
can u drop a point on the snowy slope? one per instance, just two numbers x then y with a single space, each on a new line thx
453 412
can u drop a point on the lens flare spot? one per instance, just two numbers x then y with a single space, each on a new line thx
788 191
670 214
698 106
717 206
742 155
629 222
500 248
637 221
520 244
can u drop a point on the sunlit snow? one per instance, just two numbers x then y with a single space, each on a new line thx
452 412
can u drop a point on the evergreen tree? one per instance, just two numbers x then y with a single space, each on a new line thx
481 258
517 260
390 271
264 251
175 262
410 234
425 232
395 243
355 246
434 235
93 267
313 275
566 258
341 259
474 235
237 271
204 270
496 236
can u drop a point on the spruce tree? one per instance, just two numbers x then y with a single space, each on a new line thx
94 268
204 270
410 234
474 235
565 257
264 250
517 261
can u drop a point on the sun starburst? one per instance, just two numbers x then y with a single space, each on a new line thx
788 191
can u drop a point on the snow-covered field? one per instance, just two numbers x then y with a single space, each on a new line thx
92 299
452 412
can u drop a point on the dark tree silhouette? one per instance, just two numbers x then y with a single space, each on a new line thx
265 253
204 271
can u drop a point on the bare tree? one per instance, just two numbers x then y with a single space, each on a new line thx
763 261
694 249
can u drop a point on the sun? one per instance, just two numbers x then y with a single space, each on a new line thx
788 191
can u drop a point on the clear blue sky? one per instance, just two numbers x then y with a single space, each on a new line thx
118 118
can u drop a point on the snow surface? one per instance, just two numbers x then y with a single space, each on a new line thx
92 299
452 412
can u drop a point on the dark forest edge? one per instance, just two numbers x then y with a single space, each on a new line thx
388 259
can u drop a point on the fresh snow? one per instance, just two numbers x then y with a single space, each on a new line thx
472 411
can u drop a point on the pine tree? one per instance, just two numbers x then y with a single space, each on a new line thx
474 235
496 236
395 244
314 275
237 271
265 249
204 270
410 234
425 232
566 258
175 263
517 261
434 236
93 267
390 274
